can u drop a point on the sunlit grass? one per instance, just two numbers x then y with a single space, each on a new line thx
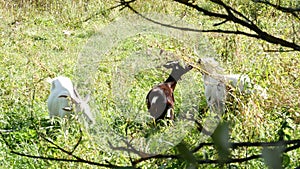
43 39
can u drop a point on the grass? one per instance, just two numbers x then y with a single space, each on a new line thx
47 39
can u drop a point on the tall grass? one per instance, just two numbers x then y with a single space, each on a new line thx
41 39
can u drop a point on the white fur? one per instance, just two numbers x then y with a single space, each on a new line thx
154 99
63 96
242 82
60 86
215 84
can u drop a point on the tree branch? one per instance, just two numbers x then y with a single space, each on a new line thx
146 157
77 159
78 142
130 149
235 145
245 22
280 8
265 144
237 32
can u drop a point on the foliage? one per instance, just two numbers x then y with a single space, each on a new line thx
41 39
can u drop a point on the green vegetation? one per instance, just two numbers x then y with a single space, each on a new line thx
41 39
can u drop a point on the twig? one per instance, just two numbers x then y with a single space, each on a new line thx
292 148
239 160
237 32
218 24
265 144
263 35
78 142
162 156
70 160
130 149
158 156
123 4
197 148
77 159
245 22
231 160
277 50
281 8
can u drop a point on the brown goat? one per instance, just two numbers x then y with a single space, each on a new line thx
160 99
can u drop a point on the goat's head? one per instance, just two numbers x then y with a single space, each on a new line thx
63 97
210 66
59 100
177 69
60 84
175 65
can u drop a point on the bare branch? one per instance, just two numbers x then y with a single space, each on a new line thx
265 144
123 4
245 22
218 24
77 159
145 156
78 142
277 50
237 32
260 33
292 148
235 145
239 160
70 160
130 149
202 10
230 11
281 8
158 156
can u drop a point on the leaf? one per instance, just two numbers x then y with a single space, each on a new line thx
221 141
272 157
285 160
186 154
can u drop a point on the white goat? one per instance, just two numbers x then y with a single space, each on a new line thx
62 98
215 84
243 83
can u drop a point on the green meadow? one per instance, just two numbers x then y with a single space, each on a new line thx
103 53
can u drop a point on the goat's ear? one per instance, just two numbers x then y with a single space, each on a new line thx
49 80
168 66
76 93
76 98
171 64
53 86
87 98
200 61
189 67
